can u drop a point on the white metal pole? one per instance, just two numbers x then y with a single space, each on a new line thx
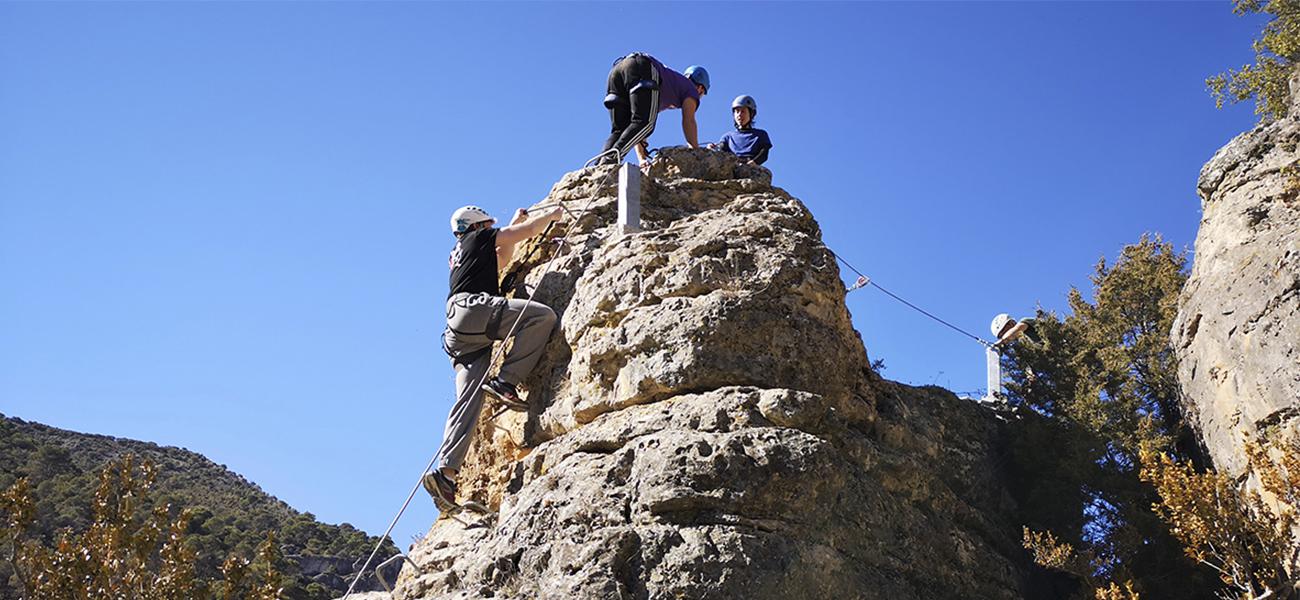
994 374
629 198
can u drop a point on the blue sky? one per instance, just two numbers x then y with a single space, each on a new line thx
223 225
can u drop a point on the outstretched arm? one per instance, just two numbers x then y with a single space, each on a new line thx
688 122
519 230
1010 336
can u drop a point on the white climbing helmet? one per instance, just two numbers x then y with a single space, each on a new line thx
466 216
1000 324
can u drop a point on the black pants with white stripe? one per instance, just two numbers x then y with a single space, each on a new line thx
632 113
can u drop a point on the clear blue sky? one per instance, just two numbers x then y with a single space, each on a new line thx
223 225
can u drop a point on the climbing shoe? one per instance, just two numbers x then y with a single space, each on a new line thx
506 393
442 488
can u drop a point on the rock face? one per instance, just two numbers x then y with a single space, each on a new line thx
705 424
1238 330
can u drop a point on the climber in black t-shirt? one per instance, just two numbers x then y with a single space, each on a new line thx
477 316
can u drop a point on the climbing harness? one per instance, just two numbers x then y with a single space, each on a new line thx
864 281
496 356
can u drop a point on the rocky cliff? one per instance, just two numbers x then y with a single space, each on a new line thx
705 424
1238 330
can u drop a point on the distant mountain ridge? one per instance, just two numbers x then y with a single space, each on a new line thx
232 514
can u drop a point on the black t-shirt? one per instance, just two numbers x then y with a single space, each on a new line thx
473 263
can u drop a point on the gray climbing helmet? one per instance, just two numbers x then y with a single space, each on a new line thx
746 101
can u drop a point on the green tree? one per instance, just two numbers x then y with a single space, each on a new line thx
1277 48
1109 366
1105 375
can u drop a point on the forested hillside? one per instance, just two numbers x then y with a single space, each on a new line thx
231 514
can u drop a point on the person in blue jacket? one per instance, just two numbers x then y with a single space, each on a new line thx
746 141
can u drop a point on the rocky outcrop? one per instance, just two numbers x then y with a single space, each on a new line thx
705 424
1237 334
337 572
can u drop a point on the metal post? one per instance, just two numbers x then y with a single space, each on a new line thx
629 198
994 374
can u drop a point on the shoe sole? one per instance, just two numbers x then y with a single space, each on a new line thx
431 486
512 404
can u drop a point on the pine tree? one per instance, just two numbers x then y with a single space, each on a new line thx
1105 375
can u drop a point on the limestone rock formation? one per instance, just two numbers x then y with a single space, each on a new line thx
705 424
1238 330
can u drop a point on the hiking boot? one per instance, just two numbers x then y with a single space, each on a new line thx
506 394
442 488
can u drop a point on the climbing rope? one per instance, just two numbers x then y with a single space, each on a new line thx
495 356
864 281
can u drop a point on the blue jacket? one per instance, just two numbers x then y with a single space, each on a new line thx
750 142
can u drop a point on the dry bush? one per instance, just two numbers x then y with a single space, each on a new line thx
130 551
1242 534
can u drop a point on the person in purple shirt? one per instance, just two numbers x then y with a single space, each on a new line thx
639 87
746 141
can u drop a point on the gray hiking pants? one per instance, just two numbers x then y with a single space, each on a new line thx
474 321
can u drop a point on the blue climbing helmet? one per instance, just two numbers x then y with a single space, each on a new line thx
698 75
746 101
